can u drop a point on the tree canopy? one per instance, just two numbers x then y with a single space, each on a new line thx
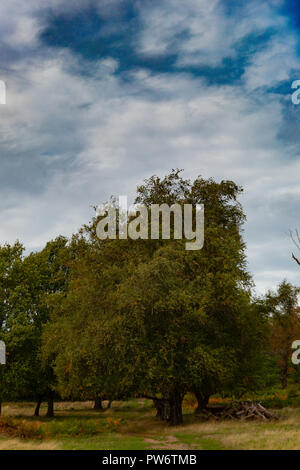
90 318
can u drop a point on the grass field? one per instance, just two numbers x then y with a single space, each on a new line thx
132 425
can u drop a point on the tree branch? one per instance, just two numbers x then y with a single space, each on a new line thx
296 259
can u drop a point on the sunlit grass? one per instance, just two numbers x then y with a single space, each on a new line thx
20 444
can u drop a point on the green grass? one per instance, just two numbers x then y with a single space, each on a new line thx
197 441
132 425
104 442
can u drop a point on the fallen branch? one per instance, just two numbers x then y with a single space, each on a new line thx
246 410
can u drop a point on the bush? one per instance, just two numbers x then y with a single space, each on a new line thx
38 430
23 429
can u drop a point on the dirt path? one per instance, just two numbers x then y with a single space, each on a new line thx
170 443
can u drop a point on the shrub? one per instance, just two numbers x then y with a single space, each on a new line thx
23 429
112 424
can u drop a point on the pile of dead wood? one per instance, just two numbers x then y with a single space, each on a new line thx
246 410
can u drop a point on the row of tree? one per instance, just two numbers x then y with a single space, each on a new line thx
110 319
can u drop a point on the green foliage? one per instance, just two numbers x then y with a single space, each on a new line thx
25 284
91 318
284 328
147 317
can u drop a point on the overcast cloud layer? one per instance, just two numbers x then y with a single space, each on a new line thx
102 94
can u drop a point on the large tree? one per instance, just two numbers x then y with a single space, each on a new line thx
148 317
197 326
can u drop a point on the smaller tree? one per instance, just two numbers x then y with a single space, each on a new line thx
13 374
284 326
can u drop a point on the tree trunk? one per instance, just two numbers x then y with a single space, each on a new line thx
202 400
109 404
0 407
38 405
50 410
284 372
162 409
283 381
175 401
98 403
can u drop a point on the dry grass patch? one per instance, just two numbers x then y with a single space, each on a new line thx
19 409
271 435
263 440
168 443
18 444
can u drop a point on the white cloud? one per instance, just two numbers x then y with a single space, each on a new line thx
68 140
200 31
274 64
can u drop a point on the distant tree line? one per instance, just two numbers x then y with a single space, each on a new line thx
110 319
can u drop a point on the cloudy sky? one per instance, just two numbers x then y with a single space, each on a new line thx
104 93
